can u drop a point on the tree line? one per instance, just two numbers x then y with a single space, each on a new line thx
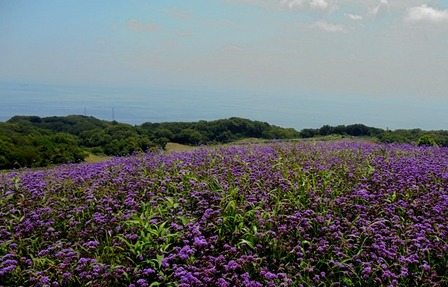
31 141
410 136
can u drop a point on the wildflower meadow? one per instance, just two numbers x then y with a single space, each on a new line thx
277 214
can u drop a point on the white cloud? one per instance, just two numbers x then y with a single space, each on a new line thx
354 17
425 13
384 4
328 27
136 25
293 3
330 5
319 4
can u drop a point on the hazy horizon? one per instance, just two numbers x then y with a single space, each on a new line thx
293 63
156 105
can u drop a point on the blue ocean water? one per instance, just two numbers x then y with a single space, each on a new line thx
129 105
136 105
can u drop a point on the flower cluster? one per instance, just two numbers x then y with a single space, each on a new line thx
279 214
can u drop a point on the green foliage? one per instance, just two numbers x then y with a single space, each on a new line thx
24 145
426 140
73 124
31 141
218 131
190 136
394 137
412 136
309 133
401 136
356 130
415 136
154 238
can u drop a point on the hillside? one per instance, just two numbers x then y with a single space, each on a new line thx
35 142
31 141
277 214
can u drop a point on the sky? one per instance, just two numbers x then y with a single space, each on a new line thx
353 53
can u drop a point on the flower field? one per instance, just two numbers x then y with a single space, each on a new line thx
279 214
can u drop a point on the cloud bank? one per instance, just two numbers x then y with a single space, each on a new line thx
361 10
382 6
328 27
424 13
354 17
329 5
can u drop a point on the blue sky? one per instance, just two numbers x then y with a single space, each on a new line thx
332 50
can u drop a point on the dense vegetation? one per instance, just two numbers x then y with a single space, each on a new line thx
36 142
413 136
279 214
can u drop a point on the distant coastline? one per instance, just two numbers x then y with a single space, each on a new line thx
136 105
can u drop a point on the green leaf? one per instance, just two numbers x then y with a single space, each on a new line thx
247 242
159 260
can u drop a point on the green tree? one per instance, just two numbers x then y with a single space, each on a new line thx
225 137
164 133
326 130
7 153
190 136
308 133
426 140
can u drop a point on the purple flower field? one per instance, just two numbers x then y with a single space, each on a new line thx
280 214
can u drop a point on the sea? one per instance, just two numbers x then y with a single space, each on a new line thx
137 105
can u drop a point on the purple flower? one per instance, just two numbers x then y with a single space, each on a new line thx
7 269
9 262
404 271
231 266
165 262
379 210
186 252
148 271
366 272
118 272
190 279
83 260
96 268
425 267
142 282
222 283
44 280
43 252
269 275
91 244
200 242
